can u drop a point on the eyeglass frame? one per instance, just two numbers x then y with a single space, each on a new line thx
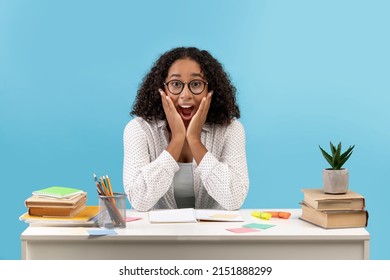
184 84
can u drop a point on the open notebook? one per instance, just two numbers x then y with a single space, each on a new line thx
190 215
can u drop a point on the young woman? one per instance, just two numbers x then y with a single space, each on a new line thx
185 148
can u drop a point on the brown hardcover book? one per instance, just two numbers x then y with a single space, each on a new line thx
335 218
45 201
57 211
87 217
317 199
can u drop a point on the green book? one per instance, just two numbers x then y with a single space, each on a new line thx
57 191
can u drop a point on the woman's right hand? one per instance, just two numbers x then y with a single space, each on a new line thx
174 119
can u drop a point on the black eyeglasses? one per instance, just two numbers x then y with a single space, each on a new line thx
176 86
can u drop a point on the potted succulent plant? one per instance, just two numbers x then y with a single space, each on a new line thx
336 178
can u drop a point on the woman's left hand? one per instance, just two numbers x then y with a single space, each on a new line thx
198 120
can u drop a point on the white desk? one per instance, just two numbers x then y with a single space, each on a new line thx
289 239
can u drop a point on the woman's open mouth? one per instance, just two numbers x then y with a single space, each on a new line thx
186 112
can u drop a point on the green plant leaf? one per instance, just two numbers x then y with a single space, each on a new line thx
347 152
327 157
344 160
338 152
332 148
336 156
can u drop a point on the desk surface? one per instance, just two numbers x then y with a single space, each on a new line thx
286 240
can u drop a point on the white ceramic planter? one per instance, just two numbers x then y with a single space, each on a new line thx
335 181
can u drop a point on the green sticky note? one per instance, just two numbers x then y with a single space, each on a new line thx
57 191
258 226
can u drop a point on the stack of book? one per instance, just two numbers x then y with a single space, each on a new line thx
56 202
334 211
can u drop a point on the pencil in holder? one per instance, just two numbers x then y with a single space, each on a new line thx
112 211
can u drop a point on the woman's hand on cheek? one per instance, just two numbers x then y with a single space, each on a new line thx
174 119
198 120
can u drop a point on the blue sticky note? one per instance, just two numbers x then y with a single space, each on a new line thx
258 226
97 232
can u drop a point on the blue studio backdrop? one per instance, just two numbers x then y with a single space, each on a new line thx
306 72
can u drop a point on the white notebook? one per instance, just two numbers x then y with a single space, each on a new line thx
190 215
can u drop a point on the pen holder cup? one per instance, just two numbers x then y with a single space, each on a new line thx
112 211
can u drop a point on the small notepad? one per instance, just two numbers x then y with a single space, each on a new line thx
56 191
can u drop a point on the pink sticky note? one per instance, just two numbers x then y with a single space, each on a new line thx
242 230
132 219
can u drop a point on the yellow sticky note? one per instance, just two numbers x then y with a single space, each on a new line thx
262 215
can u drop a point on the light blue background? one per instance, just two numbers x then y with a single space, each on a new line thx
307 72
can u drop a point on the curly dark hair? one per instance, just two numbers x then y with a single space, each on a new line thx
223 107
